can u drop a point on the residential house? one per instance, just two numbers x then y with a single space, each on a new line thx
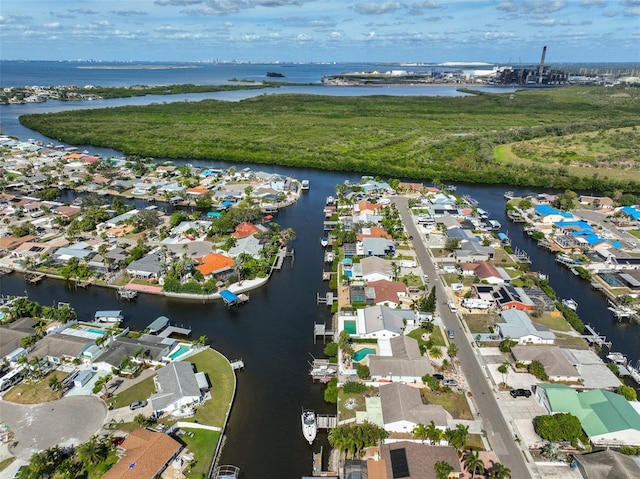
12 333
405 362
518 326
149 266
555 363
178 387
607 418
388 293
547 214
403 409
382 322
483 270
372 269
375 247
245 229
411 460
155 350
145 454
59 347
214 265
607 464
249 245
504 296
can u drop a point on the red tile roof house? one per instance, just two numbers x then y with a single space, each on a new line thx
388 293
483 270
146 455
244 229
373 232
214 263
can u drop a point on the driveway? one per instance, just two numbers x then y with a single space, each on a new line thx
65 422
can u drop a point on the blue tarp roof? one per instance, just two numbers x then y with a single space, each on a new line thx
227 203
548 210
228 296
159 323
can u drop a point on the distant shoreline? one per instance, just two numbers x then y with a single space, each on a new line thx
136 67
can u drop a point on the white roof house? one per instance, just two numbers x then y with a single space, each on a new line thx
402 409
406 363
382 322
519 327
177 387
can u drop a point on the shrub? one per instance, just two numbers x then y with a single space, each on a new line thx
537 369
353 387
331 393
331 349
363 371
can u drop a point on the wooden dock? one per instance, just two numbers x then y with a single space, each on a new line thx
280 257
169 330
320 329
34 278
128 294
237 364
326 421
85 284
595 338
317 466
328 299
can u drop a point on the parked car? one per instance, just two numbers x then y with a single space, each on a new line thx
438 376
137 405
516 393
449 382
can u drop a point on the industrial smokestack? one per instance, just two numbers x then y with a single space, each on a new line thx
541 67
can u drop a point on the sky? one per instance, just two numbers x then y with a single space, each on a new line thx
424 31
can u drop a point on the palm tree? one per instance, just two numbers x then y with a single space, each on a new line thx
445 365
442 469
434 434
93 451
473 463
504 370
420 432
54 383
500 471
141 420
452 351
435 352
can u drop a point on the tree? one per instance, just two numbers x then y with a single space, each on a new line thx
363 371
420 432
435 352
537 369
434 433
331 349
559 427
452 350
452 244
442 469
93 451
504 370
473 463
141 420
500 471
54 383
627 392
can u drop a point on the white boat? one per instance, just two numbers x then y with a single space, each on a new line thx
304 184
617 358
309 428
570 303
324 241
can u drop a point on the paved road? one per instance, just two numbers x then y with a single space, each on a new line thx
499 434
68 421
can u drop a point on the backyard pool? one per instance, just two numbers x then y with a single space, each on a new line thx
360 354
180 351
612 280
95 331
350 326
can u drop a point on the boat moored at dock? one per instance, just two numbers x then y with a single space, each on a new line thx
570 303
309 428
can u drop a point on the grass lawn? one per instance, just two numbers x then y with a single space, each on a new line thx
455 403
202 445
474 442
436 336
567 341
553 321
99 470
480 323
223 383
137 392
344 398
6 463
35 393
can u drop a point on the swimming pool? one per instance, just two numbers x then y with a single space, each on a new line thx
611 280
180 351
350 326
360 354
95 331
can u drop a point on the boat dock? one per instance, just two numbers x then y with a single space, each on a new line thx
237 364
326 421
317 466
34 278
595 338
522 256
128 294
322 370
169 330
328 298
320 329
231 299
283 253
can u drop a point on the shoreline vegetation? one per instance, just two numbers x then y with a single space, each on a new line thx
484 138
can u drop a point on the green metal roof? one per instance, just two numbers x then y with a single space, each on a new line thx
599 411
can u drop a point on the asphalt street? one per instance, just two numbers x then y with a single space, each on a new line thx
499 434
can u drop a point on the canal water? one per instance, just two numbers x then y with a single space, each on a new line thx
273 332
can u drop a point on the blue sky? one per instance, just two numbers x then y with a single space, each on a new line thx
496 31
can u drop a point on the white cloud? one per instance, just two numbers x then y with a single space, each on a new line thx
507 6
372 8
52 25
